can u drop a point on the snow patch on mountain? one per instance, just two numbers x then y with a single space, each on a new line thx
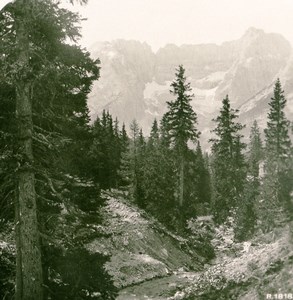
154 89
205 101
111 54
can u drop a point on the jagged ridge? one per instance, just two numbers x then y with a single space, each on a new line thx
135 81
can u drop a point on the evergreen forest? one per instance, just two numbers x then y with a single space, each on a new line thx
58 167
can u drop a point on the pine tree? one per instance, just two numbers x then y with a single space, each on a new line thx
123 146
112 146
97 154
246 217
203 184
227 162
159 178
255 151
141 151
131 170
240 166
154 135
116 153
180 123
29 263
106 150
124 138
141 141
52 80
276 134
278 183
163 130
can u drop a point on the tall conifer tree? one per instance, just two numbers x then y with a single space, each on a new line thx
131 169
227 162
255 151
159 178
203 184
180 123
246 216
35 51
278 182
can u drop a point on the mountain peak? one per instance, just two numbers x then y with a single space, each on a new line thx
251 34
254 31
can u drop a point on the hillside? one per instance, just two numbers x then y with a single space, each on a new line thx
147 261
140 248
152 265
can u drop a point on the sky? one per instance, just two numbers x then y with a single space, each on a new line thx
159 22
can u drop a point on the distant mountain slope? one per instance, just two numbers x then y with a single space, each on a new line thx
135 81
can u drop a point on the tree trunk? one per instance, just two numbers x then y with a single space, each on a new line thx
29 279
181 183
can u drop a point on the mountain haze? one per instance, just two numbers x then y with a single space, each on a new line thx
135 81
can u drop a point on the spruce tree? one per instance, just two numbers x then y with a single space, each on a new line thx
154 138
141 141
164 134
180 123
159 178
97 153
131 169
105 151
277 140
29 263
227 162
203 184
55 78
255 155
246 217
124 138
277 186
116 152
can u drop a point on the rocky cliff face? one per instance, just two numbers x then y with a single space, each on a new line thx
126 68
135 82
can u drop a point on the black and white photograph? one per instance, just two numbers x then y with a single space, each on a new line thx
146 149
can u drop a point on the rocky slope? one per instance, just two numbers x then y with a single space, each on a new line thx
252 270
135 81
140 248
149 262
